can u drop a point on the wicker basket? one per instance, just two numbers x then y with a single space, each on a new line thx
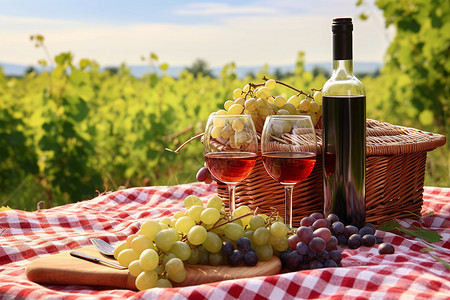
395 171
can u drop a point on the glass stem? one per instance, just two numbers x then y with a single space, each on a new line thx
288 191
232 191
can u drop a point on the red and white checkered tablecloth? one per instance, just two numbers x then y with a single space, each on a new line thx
407 274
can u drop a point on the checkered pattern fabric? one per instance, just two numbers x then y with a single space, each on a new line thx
408 274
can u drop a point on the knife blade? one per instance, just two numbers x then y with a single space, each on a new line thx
96 259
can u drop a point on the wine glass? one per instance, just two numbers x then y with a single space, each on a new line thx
230 149
288 149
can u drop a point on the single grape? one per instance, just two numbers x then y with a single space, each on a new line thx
203 255
323 233
192 200
227 104
238 93
181 250
184 224
293 261
332 218
250 104
371 226
215 202
279 244
149 259
250 258
141 243
261 236
134 268
174 265
342 239
178 277
264 252
368 240
270 84
294 100
257 222
283 257
194 257
210 216
315 107
386 248
338 227
203 175
249 234
354 241
302 248
318 97
212 243
319 223
227 248
305 105
217 259
243 244
236 258
293 240
317 215
150 228
235 109
366 230
126 256
335 255
195 212
349 230
305 234
307 221
165 239
233 231
197 235
322 256
330 264
317 244
167 221
163 283
146 280
332 243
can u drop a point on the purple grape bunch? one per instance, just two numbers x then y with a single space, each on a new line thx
315 244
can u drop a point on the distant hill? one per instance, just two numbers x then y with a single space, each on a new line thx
241 71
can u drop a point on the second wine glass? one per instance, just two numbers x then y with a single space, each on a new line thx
288 149
230 148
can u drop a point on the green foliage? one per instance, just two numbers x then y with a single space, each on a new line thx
76 129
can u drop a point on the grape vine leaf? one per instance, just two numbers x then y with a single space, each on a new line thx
419 232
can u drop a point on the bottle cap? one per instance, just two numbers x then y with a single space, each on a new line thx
342 25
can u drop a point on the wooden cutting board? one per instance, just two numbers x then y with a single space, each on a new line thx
62 268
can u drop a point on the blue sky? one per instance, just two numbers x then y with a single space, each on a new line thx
246 32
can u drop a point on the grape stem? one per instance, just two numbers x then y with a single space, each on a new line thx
185 143
300 92
229 221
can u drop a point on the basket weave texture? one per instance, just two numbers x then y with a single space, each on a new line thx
395 171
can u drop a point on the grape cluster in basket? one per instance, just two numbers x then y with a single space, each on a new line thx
257 101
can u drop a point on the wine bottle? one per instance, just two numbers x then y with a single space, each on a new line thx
344 133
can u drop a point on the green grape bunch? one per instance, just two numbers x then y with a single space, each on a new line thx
158 253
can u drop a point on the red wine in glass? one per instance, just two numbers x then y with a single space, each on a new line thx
289 167
230 167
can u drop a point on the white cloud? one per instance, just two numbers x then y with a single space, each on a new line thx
248 39
222 9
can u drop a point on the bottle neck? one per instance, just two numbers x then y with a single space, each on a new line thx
343 67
